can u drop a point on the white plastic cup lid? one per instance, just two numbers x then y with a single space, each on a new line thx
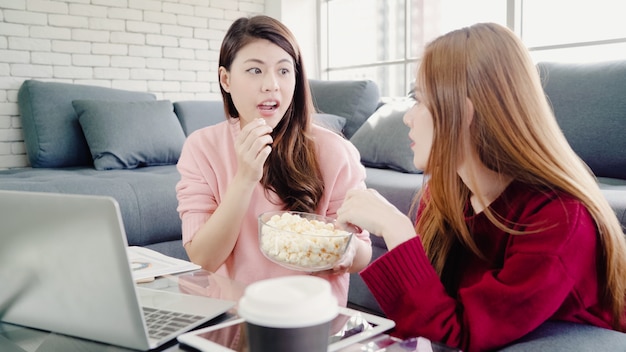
288 302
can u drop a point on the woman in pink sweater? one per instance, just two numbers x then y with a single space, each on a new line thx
267 156
512 229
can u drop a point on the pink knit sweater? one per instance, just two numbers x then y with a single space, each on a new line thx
208 163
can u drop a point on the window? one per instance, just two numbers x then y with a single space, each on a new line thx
382 40
367 39
565 30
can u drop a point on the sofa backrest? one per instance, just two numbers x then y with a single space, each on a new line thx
353 101
589 101
52 134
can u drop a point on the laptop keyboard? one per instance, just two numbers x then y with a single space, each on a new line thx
164 322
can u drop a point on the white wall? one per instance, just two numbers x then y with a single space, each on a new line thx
167 47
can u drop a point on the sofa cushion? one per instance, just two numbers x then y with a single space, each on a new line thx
383 140
196 114
566 336
127 135
147 195
332 122
354 100
52 134
589 104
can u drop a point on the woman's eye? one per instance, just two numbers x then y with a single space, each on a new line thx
284 71
412 96
254 70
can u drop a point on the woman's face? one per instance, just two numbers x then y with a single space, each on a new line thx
420 122
261 82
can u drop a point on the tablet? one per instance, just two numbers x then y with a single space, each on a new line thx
349 327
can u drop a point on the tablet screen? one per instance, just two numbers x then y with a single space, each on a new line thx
348 327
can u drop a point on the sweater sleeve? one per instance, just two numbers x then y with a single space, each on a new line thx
537 278
196 190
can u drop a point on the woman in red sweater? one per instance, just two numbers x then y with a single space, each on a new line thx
512 229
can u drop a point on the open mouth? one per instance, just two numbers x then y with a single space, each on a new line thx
268 105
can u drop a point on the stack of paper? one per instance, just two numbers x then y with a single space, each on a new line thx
148 264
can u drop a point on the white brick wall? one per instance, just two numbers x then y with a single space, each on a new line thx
167 47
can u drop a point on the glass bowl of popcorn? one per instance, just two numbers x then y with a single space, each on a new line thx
302 241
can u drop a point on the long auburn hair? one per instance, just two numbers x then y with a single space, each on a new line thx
515 133
291 170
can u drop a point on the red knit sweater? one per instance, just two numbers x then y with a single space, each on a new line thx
530 278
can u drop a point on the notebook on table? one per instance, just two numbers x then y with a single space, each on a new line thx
64 268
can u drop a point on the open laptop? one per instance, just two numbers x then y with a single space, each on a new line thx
64 268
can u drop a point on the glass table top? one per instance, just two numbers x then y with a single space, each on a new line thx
200 282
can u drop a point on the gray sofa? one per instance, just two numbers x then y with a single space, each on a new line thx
68 153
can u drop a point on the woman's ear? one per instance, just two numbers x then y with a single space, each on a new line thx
224 79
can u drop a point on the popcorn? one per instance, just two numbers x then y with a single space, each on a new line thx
285 240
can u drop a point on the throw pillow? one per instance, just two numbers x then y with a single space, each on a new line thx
383 139
355 100
332 122
52 135
127 135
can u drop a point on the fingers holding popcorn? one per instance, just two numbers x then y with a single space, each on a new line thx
253 145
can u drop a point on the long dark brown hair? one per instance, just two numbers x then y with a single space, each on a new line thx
516 134
291 170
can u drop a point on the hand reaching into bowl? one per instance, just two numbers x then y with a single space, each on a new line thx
345 263
367 209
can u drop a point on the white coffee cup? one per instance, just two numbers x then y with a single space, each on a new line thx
290 313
